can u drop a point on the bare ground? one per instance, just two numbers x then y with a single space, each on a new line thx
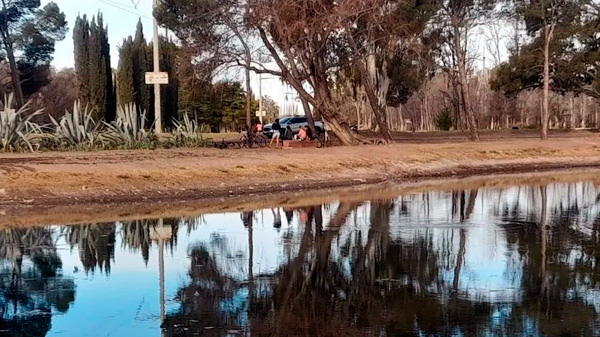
47 183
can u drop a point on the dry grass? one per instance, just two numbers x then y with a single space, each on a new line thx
134 175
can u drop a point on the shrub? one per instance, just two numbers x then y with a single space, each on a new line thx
128 130
17 132
77 128
187 134
444 120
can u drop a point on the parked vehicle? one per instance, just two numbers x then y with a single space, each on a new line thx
295 123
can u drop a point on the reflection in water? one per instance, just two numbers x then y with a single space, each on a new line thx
96 245
31 283
479 262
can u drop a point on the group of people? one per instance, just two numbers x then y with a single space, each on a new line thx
304 134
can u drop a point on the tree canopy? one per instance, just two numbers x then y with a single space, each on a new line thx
28 35
573 50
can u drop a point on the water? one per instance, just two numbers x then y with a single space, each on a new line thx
517 261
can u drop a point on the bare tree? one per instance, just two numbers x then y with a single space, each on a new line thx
495 40
58 96
302 39
457 20
217 32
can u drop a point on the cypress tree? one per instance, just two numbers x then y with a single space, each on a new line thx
81 41
125 73
97 75
92 66
168 64
143 95
111 99
150 88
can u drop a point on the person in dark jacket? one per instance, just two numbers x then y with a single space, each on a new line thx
276 133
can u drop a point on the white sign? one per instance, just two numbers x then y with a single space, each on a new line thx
157 78
264 113
164 232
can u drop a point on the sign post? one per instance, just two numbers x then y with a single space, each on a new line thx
157 78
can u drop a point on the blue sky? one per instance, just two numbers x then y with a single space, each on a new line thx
120 16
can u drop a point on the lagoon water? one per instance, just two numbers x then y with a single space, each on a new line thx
510 261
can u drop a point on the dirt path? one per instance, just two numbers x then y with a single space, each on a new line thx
57 179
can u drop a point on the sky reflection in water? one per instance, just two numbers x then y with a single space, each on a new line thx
487 262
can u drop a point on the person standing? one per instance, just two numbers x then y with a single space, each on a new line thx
276 133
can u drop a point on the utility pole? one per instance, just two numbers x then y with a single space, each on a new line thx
260 107
157 110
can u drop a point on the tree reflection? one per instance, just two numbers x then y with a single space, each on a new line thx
96 245
415 265
207 304
135 235
31 282
396 278
559 268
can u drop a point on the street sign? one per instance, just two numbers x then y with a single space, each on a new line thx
264 113
157 78
164 232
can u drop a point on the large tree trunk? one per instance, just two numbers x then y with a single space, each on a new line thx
545 113
380 115
341 130
463 84
374 81
308 114
14 72
320 98
333 121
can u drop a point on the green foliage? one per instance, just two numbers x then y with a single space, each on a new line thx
77 128
221 105
30 32
140 59
81 36
125 87
169 92
230 100
406 76
444 120
17 132
129 130
573 50
134 62
187 134
92 66
271 109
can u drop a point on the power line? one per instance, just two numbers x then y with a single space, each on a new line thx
106 2
120 4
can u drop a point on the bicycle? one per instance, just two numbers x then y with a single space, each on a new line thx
223 144
252 140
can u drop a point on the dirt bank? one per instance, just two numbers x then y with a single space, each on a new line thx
49 180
